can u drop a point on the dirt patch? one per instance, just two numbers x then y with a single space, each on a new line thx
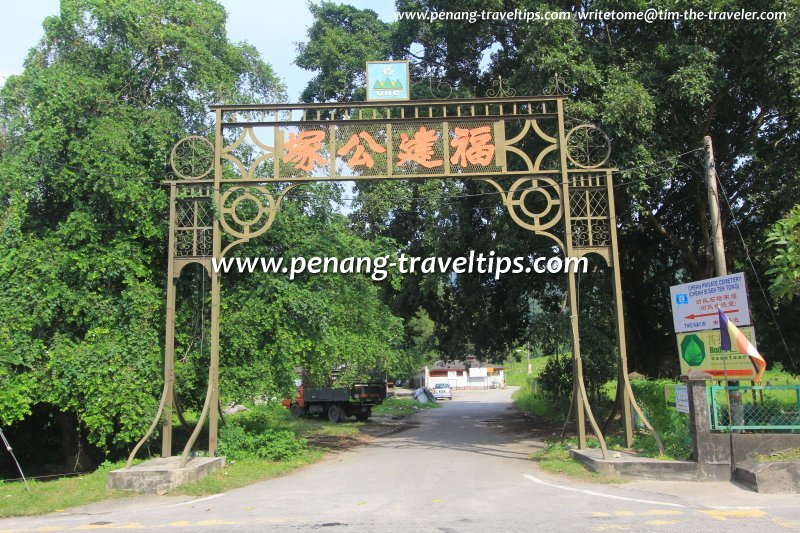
338 443
517 422
378 426
381 426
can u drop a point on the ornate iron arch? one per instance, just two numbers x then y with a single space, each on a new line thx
550 178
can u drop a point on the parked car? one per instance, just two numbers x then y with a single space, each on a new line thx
442 390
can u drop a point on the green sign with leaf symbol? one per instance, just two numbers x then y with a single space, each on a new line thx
693 350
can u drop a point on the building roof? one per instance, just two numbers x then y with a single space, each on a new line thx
463 365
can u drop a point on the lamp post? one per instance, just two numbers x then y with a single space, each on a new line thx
528 346
527 356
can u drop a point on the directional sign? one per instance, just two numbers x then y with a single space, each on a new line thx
694 305
700 350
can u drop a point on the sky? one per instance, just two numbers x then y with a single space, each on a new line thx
274 27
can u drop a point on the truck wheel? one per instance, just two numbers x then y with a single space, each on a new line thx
334 413
295 410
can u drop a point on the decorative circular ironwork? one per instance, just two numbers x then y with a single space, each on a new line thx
502 90
588 146
442 88
192 158
247 212
535 203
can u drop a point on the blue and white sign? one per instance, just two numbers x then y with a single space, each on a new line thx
694 305
388 80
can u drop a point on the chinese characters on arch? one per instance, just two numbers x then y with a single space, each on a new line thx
422 149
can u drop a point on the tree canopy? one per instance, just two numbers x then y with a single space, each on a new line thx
785 235
657 89
87 130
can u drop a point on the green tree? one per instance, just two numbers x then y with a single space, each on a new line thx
341 39
785 236
422 345
322 323
656 89
87 129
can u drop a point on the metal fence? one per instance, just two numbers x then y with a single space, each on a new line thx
757 407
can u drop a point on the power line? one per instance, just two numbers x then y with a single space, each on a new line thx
755 272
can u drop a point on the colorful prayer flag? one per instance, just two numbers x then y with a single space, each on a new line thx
728 332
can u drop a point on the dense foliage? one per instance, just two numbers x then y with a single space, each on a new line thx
253 434
657 89
87 129
672 426
86 134
785 236
271 325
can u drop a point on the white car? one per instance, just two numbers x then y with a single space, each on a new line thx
442 390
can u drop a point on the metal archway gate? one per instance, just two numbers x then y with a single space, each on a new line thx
548 171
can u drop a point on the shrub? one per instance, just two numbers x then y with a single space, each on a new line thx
526 399
275 445
672 426
253 434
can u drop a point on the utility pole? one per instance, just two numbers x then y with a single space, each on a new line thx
735 409
713 204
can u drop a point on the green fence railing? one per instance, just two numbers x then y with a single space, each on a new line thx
756 407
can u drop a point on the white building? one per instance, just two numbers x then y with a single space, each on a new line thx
469 374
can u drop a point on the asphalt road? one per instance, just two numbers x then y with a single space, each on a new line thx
464 468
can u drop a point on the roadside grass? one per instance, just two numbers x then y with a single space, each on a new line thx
402 407
62 493
526 400
245 472
310 426
671 425
517 371
777 376
773 377
58 494
788 455
555 458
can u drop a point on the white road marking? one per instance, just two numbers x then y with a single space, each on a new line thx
197 500
600 494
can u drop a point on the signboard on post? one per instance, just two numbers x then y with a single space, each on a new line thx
694 305
388 81
700 351
677 397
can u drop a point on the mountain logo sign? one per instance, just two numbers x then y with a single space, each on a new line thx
388 80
